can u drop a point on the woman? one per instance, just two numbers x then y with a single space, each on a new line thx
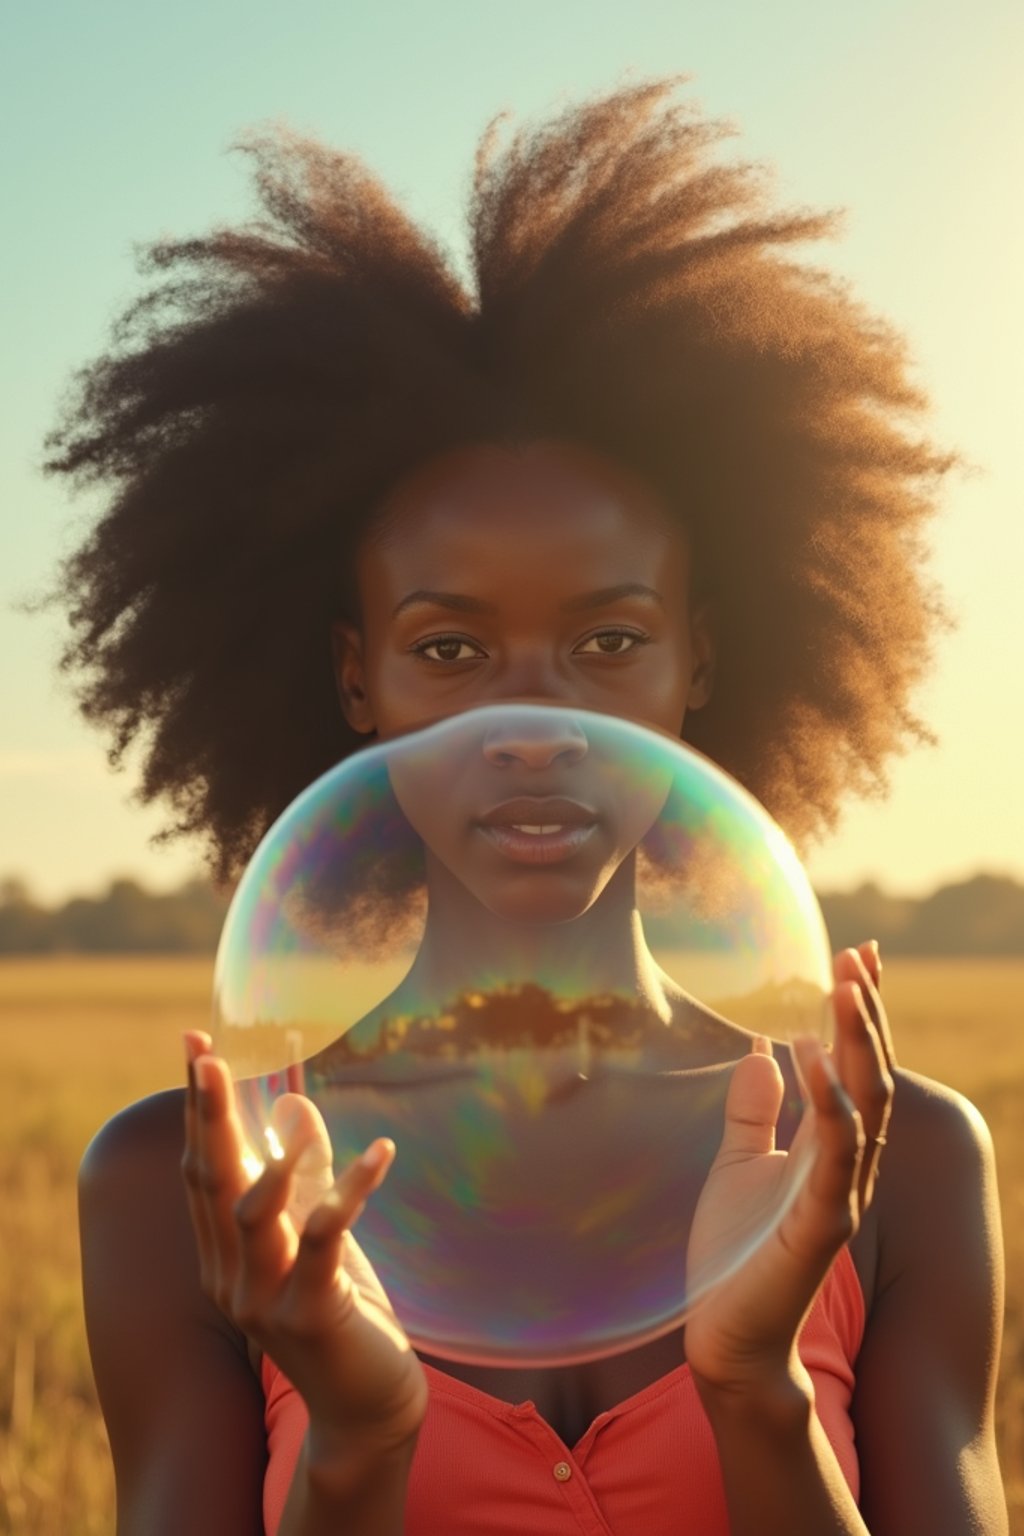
652 468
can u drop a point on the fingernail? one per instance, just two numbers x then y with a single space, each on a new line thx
289 1118
375 1154
204 1072
761 1046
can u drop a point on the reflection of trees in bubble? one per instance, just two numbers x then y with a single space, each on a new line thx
527 1016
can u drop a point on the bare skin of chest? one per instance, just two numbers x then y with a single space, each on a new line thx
571 1397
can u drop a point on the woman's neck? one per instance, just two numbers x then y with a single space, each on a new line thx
466 947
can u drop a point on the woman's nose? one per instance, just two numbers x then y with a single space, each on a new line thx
536 740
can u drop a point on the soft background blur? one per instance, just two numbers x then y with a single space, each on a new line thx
116 119
117 116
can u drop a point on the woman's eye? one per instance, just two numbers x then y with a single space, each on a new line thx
611 642
448 648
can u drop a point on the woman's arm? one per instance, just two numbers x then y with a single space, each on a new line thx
182 1403
779 1472
926 1374
307 1295
183 1409
927 1368
923 1408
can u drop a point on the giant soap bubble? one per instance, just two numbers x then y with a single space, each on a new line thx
529 944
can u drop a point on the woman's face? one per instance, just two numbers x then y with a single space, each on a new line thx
546 574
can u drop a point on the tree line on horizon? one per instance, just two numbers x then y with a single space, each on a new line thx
983 915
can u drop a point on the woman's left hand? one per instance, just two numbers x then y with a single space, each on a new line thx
743 1335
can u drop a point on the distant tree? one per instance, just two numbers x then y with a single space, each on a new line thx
980 916
126 919
867 913
25 927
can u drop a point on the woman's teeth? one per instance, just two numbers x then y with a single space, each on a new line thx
537 831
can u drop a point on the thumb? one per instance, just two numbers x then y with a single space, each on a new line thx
752 1104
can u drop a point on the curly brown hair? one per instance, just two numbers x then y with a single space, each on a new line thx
629 294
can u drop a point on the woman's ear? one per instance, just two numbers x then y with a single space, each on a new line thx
350 677
703 635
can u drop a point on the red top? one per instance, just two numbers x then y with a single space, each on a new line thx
647 1467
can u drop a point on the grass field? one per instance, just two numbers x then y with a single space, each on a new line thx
80 1038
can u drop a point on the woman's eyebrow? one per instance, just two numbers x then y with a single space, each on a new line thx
605 595
454 600
459 602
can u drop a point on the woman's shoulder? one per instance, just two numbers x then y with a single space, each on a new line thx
139 1253
934 1130
136 1234
134 1216
143 1141
935 1210
182 1406
936 1173
926 1368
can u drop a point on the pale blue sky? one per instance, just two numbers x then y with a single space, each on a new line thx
116 117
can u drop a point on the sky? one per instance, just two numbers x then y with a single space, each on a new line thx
117 119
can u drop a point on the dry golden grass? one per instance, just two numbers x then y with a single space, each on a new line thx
80 1038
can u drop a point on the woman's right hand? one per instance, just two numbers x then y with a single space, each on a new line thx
309 1298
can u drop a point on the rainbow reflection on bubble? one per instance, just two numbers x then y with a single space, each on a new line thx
529 944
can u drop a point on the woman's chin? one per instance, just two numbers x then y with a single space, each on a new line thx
539 902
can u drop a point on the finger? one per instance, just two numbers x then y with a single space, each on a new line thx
862 1068
296 1122
825 1214
196 1043
850 965
317 1270
871 955
871 959
220 1174
863 966
267 1241
295 1178
858 1056
752 1104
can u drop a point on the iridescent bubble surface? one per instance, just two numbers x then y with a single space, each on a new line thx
529 944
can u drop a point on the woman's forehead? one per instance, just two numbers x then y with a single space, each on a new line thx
482 504
508 523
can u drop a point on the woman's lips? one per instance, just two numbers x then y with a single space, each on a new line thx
546 844
538 830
